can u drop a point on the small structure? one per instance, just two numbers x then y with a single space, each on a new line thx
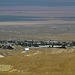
57 46
26 49
43 46
73 47
4 54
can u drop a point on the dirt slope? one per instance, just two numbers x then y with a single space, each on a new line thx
39 61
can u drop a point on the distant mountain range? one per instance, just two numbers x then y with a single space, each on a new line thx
37 3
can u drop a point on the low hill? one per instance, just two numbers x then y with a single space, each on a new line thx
38 61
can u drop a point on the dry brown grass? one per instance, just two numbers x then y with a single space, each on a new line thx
40 62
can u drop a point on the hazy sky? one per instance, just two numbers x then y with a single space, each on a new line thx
37 2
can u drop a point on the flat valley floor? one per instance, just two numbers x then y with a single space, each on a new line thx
60 30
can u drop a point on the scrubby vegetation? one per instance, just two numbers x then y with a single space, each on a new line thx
39 61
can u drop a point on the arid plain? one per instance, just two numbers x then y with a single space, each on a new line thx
38 30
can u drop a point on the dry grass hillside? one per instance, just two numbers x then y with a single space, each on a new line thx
38 61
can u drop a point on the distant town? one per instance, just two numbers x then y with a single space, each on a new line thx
35 44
